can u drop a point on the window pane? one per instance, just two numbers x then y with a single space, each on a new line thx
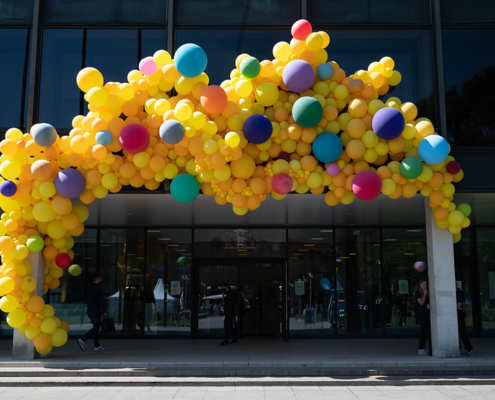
13 45
401 249
470 11
100 12
16 12
369 11
313 291
222 46
61 61
469 69
486 266
239 12
153 40
411 50
70 299
168 282
114 52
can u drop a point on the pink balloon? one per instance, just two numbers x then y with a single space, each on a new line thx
147 66
282 183
301 29
134 138
420 266
366 185
333 169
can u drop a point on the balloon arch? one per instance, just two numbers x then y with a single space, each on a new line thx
297 123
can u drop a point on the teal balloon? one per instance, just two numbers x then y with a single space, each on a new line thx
35 244
184 188
411 167
307 112
465 209
250 67
182 261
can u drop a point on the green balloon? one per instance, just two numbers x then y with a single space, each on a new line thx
465 209
184 188
250 67
34 244
307 112
182 261
411 167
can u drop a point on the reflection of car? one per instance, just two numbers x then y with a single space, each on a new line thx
341 307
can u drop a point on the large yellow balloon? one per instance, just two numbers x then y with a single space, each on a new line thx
88 78
16 318
59 337
243 167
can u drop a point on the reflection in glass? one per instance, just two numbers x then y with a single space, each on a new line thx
61 61
401 249
152 40
469 71
462 11
168 291
486 266
313 292
15 61
16 12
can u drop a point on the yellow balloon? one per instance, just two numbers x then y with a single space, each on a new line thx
266 94
170 171
280 166
109 181
348 197
388 186
182 111
45 350
88 78
16 318
32 332
8 303
141 159
48 326
314 41
59 337
314 180
232 139
282 51
6 285
43 212
10 169
240 211
223 173
97 97
20 252
56 230
210 147
28 284
47 189
81 211
456 218
75 270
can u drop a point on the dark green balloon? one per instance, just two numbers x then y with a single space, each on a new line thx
182 261
307 112
411 167
250 67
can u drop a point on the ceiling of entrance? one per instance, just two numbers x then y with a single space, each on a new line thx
147 210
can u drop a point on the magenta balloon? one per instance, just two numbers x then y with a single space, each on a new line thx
134 138
298 76
420 266
333 169
70 183
366 185
282 183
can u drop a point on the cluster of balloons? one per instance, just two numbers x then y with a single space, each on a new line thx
297 123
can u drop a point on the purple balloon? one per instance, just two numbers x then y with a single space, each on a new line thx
333 169
420 266
8 188
283 155
70 183
257 128
298 76
388 123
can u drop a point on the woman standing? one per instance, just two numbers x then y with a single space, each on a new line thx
422 304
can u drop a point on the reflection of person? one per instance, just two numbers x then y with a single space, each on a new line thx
422 304
461 323
399 305
149 300
96 307
228 301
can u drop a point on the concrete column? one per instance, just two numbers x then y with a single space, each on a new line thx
441 287
22 347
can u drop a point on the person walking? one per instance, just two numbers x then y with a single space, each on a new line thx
422 306
96 307
461 324
399 306
228 302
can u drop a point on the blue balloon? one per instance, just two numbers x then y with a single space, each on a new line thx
327 147
105 138
172 131
190 60
388 123
184 188
433 149
257 128
44 134
8 188
325 71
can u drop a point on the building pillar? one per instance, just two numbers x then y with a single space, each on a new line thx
22 347
441 288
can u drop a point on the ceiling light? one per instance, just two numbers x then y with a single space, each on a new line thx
303 250
164 239
326 231
344 257
352 254
309 245
139 258
154 231
179 250
297 254
415 230
174 245
390 240
316 239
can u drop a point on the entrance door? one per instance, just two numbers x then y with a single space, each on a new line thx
258 288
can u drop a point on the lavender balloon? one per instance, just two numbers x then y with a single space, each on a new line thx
8 188
420 266
333 169
70 183
298 76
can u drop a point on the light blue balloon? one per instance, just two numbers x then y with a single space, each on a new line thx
172 131
104 137
325 71
327 147
190 60
433 149
184 188
44 134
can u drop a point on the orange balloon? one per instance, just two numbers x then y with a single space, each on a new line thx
93 177
409 190
218 160
70 221
243 167
355 149
127 170
258 185
42 341
220 200
65 326
42 170
238 200
87 197
441 214
35 322
436 181
308 163
437 197
35 304
331 199
384 172
214 99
